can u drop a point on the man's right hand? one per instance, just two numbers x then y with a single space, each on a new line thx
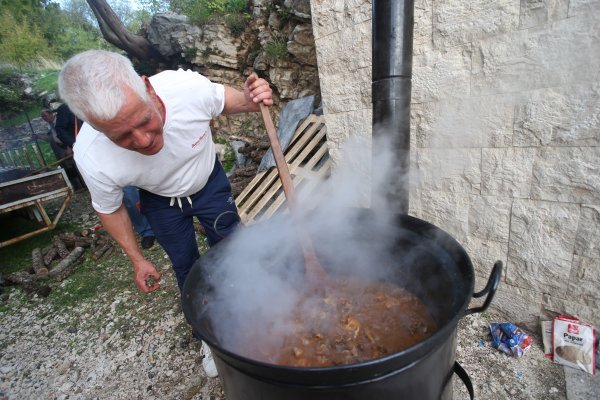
118 224
145 276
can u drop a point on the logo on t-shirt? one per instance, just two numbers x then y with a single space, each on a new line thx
201 138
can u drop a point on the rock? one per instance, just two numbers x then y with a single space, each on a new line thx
63 367
302 44
240 158
300 8
167 31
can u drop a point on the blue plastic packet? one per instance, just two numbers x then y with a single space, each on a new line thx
510 339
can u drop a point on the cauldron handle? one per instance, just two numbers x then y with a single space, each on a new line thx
491 287
462 374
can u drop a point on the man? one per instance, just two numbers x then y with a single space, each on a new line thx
58 147
154 133
61 136
66 125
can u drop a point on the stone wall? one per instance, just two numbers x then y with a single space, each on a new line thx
505 135
227 57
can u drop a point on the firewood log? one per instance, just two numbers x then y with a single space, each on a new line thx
61 247
37 262
102 249
245 171
50 255
28 283
22 277
85 232
73 241
67 265
246 139
47 249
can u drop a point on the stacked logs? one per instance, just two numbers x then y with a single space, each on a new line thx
61 258
254 150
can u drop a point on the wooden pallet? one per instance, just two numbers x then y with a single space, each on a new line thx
309 163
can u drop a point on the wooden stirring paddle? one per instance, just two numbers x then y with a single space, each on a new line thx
314 270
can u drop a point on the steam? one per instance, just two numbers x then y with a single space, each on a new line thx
260 274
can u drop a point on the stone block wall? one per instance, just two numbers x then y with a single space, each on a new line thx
505 135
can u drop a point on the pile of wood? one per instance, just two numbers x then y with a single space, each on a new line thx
254 150
61 258
240 178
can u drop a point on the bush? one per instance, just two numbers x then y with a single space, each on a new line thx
236 23
10 99
236 6
201 12
21 42
277 49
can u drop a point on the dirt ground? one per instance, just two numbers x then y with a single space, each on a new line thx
126 346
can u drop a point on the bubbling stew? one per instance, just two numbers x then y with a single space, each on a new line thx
346 321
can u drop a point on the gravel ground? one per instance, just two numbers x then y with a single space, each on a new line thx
125 345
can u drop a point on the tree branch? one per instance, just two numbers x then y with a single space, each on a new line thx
117 34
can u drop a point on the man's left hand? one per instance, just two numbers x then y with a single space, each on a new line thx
257 90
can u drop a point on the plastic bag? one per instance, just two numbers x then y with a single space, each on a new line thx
510 339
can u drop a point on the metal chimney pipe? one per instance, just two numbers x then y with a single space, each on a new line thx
392 48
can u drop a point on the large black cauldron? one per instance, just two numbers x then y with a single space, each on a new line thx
424 259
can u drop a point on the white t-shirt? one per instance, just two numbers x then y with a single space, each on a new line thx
181 168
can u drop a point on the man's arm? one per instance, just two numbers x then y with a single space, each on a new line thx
119 226
256 90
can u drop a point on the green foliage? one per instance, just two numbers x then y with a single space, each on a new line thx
236 6
75 39
20 41
229 156
236 23
13 103
284 15
65 31
197 11
10 99
45 149
71 30
20 8
46 81
31 109
201 12
89 282
190 53
277 49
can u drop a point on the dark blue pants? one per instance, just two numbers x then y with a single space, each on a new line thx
214 207
131 197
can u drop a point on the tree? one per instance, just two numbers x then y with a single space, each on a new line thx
115 32
20 8
72 29
20 42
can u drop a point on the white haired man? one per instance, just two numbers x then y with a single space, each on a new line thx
154 133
